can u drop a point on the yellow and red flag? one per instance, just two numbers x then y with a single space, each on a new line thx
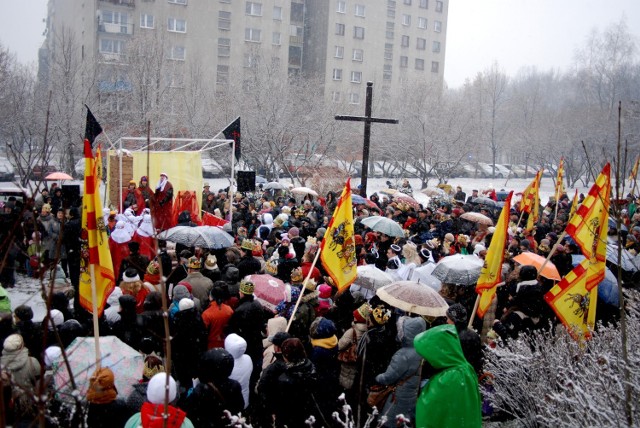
634 170
560 180
96 249
532 203
338 248
574 300
590 224
491 272
574 205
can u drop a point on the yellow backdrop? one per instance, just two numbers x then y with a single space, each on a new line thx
183 168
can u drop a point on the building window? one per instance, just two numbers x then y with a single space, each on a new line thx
224 20
178 1
407 2
391 13
360 10
406 19
337 74
388 51
225 1
386 73
435 66
146 20
252 34
419 64
435 47
277 13
177 25
422 23
437 26
356 77
358 32
341 6
421 44
335 96
224 46
439 6
253 8
178 53
340 29
424 4
222 75
404 42
296 31
404 61
391 4
354 98
276 38
111 46
339 52
358 55
390 33
250 61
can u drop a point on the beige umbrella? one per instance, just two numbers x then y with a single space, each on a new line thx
477 218
304 191
433 192
414 297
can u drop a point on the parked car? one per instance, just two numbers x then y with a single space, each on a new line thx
7 172
8 189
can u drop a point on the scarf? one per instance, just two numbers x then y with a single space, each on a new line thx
163 182
326 343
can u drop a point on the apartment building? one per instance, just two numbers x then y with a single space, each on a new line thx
345 42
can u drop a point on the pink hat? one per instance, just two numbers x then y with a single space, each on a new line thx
325 291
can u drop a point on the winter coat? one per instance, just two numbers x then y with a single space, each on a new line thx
242 365
24 369
187 343
451 397
304 316
114 414
404 367
205 404
248 265
298 384
32 335
215 318
51 228
150 416
377 346
200 285
348 371
137 397
267 388
274 325
324 356
128 330
247 322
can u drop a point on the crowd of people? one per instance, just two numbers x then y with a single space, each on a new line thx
277 367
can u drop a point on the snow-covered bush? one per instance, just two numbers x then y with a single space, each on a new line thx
551 380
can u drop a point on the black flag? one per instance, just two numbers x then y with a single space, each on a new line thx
232 132
92 129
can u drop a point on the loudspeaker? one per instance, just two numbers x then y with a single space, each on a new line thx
71 195
246 181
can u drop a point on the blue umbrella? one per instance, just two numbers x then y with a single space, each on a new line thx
384 225
608 288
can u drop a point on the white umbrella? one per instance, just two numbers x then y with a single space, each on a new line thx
304 191
458 269
423 275
200 236
274 185
383 225
372 278
414 298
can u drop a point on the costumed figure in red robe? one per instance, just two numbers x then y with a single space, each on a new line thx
118 245
144 236
163 203
186 201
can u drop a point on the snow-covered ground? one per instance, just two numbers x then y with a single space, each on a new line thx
28 291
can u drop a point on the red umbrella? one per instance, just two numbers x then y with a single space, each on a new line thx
399 197
268 290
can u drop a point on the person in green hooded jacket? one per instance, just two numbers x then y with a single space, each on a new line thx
451 397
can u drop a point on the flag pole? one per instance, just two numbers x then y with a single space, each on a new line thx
553 251
232 189
120 180
475 309
304 283
96 329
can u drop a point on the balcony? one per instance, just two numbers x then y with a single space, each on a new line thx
127 3
115 28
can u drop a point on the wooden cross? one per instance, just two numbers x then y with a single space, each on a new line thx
368 120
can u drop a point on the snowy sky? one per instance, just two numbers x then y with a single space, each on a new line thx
515 33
